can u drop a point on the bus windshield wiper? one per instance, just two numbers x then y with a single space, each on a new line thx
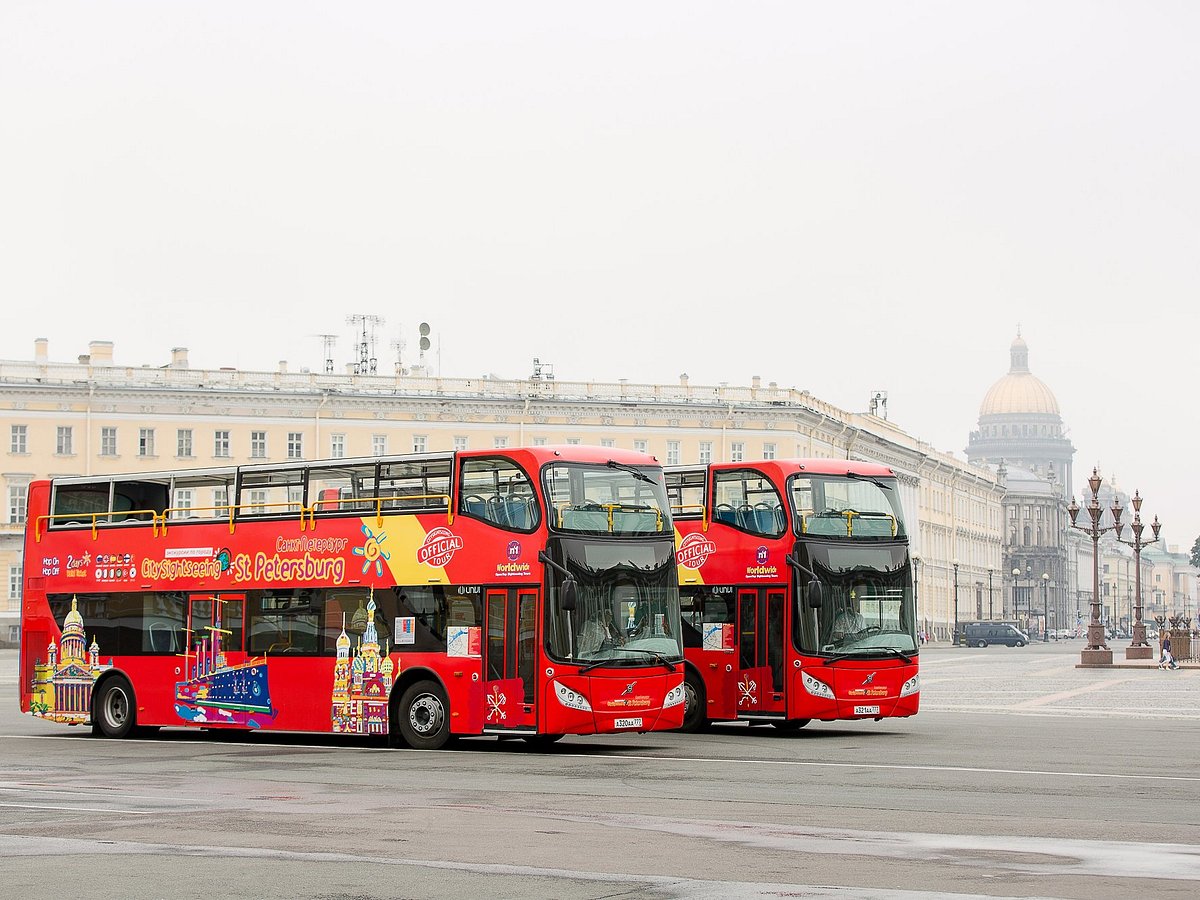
658 658
863 651
632 470
875 481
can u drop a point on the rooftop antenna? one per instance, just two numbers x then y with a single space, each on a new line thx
542 370
878 405
423 329
398 345
366 364
328 340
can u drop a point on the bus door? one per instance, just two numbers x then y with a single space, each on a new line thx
510 659
760 630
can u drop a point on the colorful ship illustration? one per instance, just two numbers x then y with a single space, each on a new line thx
219 693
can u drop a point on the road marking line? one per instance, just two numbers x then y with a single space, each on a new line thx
123 812
1063 695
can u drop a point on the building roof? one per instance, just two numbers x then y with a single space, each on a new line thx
1019 391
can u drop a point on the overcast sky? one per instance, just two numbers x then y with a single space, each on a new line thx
839 197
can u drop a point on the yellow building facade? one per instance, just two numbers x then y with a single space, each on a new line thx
95 416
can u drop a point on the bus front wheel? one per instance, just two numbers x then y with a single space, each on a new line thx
694 702
424 716
113 712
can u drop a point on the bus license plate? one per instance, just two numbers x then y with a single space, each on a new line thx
628 723
866 710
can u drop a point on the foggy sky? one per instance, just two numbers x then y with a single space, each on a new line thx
842 198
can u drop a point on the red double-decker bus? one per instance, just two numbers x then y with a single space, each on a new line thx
797 592
421 597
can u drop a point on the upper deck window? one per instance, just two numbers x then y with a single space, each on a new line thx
847 506
497 490
746 499
613 498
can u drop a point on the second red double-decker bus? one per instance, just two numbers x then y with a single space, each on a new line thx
524 592
796 589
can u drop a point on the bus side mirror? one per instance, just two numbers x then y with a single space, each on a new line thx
816 595
567 594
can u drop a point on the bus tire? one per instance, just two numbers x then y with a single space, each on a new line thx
791 724
424 716
694 702
114 712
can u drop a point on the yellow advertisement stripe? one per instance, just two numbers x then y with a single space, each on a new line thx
402 537
686 576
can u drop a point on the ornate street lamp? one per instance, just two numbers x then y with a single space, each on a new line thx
955 564
1045 608
1139 648
990 572
1016 573
1097 652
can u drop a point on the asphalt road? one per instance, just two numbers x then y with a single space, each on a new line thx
1022 776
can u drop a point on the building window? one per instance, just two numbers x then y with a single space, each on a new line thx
572 441
15 576
460 442
640 446
63 443
295 498
705 452
420 443
221 444
258 501
258 445
221 499
379 445
108 441
539 442
145 442
183 443
672 453
768 451
17 495
500 442
607 442
295 445
20 438
182 505
337 446
737 451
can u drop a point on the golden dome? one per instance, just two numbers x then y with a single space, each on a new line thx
1019 391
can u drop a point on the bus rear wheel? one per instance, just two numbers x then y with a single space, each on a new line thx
694 702
114 714
424 716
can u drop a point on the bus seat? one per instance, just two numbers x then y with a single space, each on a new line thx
519 513
585 519
725 513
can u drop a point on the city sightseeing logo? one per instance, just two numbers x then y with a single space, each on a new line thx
440 545
694 550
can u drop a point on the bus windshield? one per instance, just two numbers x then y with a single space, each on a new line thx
627 605
867 603
613 498
847 506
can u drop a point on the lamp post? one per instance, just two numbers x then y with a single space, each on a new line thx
990 571
1138 648
1016 573
955 564
1045 608
1097 652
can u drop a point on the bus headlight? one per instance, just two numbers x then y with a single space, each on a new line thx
674 697
816 687
571 699
911 686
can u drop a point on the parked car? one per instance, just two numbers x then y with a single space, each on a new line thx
980 634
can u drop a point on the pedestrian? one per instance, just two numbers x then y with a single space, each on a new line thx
1166 660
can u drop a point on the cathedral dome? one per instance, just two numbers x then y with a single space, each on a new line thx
1019 391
